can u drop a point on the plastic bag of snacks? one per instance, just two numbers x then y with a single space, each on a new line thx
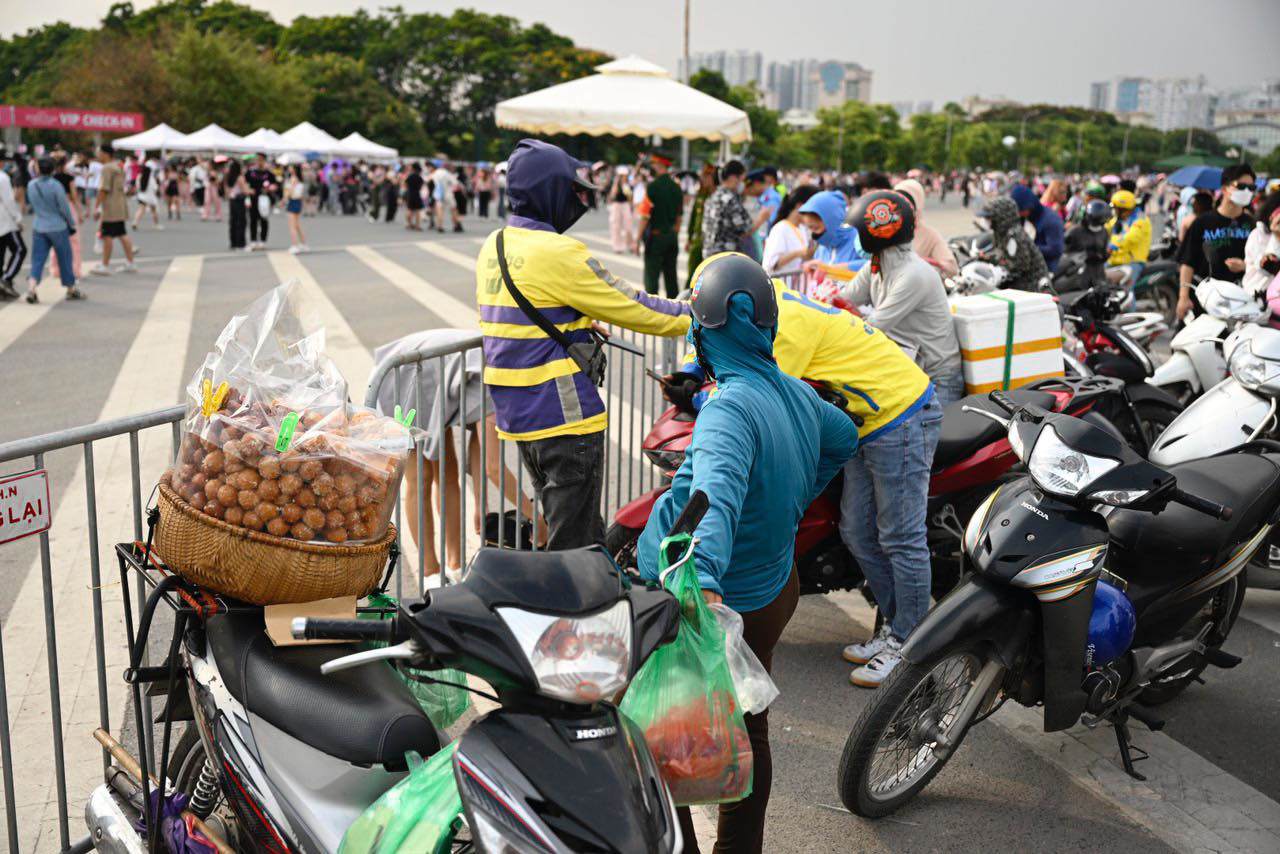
418 814
271 442
436 691
684 699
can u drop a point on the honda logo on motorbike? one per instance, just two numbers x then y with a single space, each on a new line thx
1035 510
593 733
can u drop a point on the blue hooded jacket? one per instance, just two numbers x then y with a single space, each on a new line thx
763 448
839 243
1048 225
541 181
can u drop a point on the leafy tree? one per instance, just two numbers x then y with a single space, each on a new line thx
30 55
345 35
347 98
214 77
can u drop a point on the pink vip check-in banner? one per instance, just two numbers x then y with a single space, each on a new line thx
69 119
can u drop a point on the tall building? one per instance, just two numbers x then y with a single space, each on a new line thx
738 68
831 83
1165 103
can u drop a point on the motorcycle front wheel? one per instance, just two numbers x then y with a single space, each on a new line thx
891 754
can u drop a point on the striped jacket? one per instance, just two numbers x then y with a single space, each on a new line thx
537 390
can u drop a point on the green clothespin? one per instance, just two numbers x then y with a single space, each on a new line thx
285 436
403 418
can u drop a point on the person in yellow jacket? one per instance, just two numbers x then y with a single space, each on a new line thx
1130 239
542 399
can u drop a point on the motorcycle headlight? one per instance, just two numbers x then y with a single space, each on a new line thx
1249 370
1057 467
575 659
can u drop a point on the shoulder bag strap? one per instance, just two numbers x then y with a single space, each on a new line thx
530 311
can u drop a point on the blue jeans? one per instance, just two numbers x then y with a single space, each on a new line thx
947 390
60 243
883 516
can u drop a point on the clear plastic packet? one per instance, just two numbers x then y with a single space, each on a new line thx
419 814
271 443
753 683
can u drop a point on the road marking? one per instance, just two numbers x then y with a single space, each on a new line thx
353 359
632 261
18 318
149 377
1187 802
451 310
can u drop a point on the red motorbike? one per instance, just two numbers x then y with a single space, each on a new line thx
972 458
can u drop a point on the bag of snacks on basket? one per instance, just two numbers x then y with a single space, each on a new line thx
271 443
684 699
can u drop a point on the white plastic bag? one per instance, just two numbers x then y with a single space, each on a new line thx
752 682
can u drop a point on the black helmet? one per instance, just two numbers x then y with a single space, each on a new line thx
720 277
883 218
1096 214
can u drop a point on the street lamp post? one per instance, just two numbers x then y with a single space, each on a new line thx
1079 144
1022 133
684 142
946 157
1124 150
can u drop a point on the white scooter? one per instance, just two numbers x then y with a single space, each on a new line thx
1198 361
1240 410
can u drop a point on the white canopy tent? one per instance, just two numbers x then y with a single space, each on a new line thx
265 140
630 96
306 137
356 145
159 138
211 137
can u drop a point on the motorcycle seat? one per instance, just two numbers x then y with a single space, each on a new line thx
364 715
965 432
1191 541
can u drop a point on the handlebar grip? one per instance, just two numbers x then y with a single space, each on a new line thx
311 628
1203 505
1003 401
692 514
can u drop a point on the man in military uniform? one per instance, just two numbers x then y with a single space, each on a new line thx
659 228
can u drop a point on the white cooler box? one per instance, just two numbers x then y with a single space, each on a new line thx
1008 339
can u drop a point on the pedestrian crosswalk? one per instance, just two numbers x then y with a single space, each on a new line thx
1196 798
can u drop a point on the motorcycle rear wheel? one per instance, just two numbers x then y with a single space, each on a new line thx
1222 611
888 758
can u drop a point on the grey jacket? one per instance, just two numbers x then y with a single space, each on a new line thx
909 304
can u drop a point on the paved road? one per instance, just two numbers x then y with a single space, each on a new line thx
133 345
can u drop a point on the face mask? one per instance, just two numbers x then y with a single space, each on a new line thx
1241 197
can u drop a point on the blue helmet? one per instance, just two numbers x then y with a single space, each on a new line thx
1111 626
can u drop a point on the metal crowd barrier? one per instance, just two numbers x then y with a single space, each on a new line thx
633 399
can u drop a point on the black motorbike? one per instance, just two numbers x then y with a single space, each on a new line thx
1099 581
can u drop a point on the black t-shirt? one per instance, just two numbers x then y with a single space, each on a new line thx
258 179
413 184
1213 238
65 180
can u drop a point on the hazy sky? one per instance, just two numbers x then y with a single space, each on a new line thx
1029 50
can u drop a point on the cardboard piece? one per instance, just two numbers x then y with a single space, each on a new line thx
279 618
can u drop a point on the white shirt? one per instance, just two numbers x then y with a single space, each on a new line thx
1261 243
197 176
95 175
10 213
784 238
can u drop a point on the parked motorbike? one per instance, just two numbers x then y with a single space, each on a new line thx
289 745
1100 334
1198 362
972 455
1100 581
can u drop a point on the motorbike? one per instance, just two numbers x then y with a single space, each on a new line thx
1198 362
1100 334
1236 413
289 745
971 456
1101 585
975 277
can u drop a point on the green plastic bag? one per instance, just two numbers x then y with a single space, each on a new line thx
442 703
683 698
420 814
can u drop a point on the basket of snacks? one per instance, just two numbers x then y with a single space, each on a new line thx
282 491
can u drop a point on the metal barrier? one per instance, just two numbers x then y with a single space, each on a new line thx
632 399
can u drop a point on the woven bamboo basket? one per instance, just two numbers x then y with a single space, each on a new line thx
261 569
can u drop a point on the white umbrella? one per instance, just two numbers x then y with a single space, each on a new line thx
211 137
265 140
159 138
356 145
629 96
307 137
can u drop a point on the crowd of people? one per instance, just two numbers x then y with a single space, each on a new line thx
62 191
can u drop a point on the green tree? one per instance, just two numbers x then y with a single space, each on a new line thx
214 77
26 60
346 97
345 35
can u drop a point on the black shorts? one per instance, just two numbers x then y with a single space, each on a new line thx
113 229
197 195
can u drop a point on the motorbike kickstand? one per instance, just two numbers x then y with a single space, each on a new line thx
1129 752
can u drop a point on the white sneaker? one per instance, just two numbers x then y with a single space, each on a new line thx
159 228
861 653
875 671
295 249
129 267
100 270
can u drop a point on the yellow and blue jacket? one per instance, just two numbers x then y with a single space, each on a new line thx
537 390
819 342
1132 244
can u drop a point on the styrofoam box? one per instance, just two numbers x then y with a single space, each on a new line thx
982 325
